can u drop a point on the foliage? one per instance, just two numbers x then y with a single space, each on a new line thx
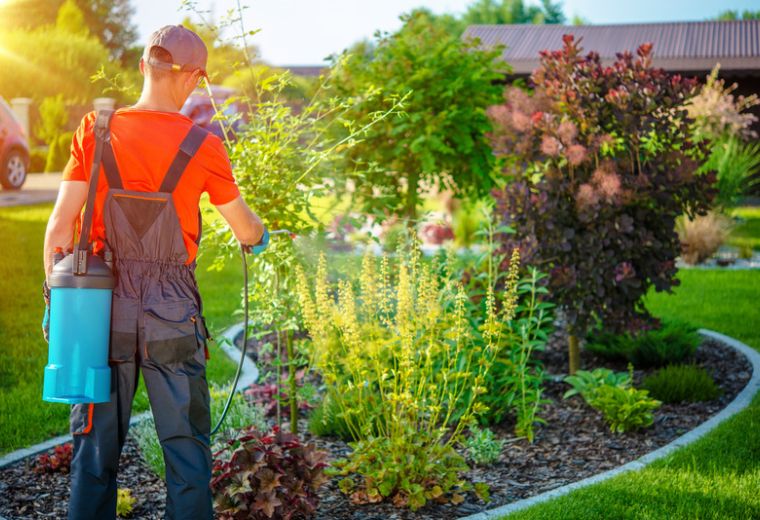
673 342
718 114
71 19
491 12
598 163
677 383
58 462
51 130
737 164
400 364
482 448
446 85
259 475
150 448
586 383
625 409
327 420
124 502
702 235
469 219
49 61
110 21
730 14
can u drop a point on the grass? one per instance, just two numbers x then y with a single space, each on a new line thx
718 476
748 232
24 418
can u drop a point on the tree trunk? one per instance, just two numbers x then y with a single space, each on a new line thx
574 353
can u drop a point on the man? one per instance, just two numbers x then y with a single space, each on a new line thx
155 168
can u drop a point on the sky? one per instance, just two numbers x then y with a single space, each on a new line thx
305 32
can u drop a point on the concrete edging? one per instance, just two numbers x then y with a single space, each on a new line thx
248 375
740 402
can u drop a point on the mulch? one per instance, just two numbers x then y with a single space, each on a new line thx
574 444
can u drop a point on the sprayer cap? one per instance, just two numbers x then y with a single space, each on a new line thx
98 275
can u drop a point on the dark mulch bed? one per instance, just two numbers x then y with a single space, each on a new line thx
574 444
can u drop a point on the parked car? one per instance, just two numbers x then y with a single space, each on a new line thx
14 149
199 108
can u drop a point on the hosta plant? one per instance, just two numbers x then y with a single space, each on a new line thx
625 408
267 475
597 164
397 358
585 383
482 447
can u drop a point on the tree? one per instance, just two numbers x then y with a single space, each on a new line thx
599 163
71 19
441 141
730 15
109 20
513 12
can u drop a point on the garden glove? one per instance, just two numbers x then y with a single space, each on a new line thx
260 246
46 316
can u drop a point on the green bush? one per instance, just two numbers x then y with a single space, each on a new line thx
677 383
326 420
37 159
625 409
673 343
58 152
482 448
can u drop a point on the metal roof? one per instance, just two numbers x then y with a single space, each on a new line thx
678 46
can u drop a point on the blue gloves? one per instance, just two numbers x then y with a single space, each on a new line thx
46 316
260 246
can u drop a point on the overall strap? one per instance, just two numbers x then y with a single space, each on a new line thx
192 142
102 135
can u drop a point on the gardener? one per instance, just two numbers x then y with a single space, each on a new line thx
156 164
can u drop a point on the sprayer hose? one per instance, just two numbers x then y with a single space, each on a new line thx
245 343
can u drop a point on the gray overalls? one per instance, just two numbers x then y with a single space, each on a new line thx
157 324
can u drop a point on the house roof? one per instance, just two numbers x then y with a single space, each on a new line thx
678 46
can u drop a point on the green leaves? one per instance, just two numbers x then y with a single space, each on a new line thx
625 409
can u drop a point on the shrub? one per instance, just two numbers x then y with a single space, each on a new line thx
702 236
327 420
57 462
401 358
736 164
257 476
586 384
482 448
677 383
597 165
150 448
624 408
124 503
468 220
672 343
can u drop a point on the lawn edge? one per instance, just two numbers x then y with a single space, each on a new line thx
249 373
740 402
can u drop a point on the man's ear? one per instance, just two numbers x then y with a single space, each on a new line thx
142 66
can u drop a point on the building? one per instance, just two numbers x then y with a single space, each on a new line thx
687 48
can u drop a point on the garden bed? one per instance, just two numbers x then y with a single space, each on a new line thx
574 444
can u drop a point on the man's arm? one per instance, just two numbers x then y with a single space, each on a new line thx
246 225
60 228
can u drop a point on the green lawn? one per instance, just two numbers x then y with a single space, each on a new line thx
718 477
748 232
24 418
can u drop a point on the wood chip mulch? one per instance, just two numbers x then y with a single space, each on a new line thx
574 444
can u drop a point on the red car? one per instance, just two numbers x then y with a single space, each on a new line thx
14 150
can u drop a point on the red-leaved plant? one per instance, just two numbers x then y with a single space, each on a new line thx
272 475
598 163
58 462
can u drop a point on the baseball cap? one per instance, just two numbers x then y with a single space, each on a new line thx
186 48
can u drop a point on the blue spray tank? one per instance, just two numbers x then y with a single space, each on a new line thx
81 285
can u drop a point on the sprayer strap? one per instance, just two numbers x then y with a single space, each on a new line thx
192 142
102 133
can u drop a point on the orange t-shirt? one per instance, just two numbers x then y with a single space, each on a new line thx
144 145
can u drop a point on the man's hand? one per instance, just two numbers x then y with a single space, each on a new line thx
246 225
46 316
260 246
